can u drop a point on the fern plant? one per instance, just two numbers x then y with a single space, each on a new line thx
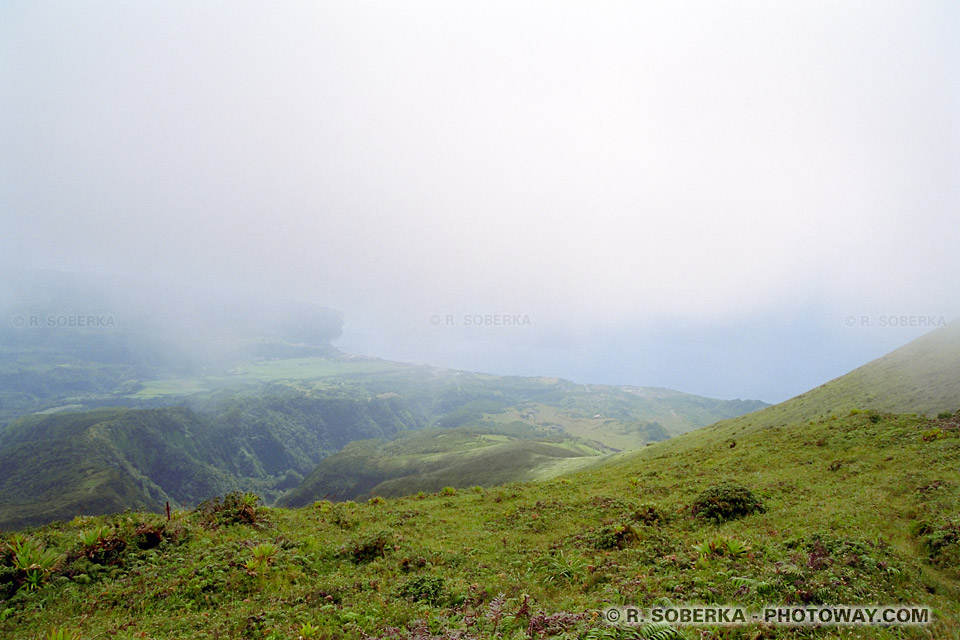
496 611
659 631
722 546
262 556
562 568
32 560
90 537
760 587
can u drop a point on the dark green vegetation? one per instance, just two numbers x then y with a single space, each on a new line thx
267 437
432 459
859 508
726 501
107 460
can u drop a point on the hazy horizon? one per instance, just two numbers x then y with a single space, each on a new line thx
729 199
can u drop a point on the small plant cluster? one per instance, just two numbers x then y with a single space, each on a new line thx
26 565
623 531
649 514
101 545
723 547
560 567
261 557
428 589
367 547
726 501
235 508
618 535
871 415
505 617
940 540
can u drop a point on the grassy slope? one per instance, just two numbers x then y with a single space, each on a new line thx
107 460
921 377
266 437
432 459
840 496
861 508
56 466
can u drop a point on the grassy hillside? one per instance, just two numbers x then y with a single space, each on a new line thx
249 431
921 377
60 465
856 509
432 459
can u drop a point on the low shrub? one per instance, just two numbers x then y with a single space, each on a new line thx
428 589
234 508
722 546
726 501
368 547
619 535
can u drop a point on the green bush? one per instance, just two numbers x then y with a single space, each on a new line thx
649 514
428 589
619 535
940 540
726 501
32 561
722 546
8 581
368 547
235 508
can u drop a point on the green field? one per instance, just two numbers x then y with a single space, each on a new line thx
268 371
856 509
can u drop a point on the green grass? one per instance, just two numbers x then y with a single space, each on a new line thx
857 510
271 370
266 428
312 368
431 459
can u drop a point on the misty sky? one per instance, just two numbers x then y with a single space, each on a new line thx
698 195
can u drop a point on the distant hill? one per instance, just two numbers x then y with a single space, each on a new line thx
282 418
117 394
922 377
57 466
432 459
